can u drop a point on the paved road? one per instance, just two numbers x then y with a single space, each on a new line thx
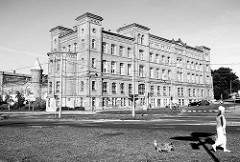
192 123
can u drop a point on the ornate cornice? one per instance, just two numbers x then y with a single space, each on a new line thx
90 15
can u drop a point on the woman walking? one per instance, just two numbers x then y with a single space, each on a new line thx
221 131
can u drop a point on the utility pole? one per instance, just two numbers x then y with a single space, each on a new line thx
171 94
61 84
133 83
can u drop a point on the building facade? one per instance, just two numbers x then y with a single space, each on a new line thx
99 69
31 86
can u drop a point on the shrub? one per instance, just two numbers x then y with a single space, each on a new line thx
39 104
80 108
4 107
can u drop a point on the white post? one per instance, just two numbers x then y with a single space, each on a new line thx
61 84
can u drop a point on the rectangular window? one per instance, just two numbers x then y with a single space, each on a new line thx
113 50
164 91
122 88
82 86
157 73
105 87
151 73
163 74
121 50
93 44
188 77
182 92
141 55
129 52
188 65
114 88
169 91
129 70
158 90
93 86
50 87
152 90
201 92
189 92
130 88
163 59
151 57
169 75
104 47
113 67
58 65
57 86
182 101
104 66
121 69
93 63
51 67
141 70
157 58
141 89
168 60
194 94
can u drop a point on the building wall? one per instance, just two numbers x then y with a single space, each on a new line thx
98 75
12 82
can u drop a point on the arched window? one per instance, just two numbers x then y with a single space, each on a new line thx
69 48
75 47
82 43
142 39
139 38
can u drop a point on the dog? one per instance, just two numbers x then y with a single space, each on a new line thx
163 147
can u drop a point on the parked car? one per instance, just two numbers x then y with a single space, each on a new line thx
197 103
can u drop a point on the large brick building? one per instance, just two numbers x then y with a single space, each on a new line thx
95 68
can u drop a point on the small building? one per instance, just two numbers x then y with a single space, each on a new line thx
31 86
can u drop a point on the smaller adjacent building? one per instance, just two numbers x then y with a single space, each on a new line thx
31 86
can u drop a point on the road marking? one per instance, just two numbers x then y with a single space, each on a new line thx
35 126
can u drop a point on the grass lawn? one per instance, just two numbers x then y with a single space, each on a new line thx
70 144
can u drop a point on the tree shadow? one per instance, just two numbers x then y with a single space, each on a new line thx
198 139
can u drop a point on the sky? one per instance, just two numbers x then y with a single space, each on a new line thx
25 25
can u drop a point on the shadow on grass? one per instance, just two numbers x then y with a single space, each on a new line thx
199 139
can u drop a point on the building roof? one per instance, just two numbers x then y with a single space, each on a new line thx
37 65
61 28
160 38
88 14
133 25
118 35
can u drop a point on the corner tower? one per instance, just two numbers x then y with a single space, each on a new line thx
36 74
89 27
